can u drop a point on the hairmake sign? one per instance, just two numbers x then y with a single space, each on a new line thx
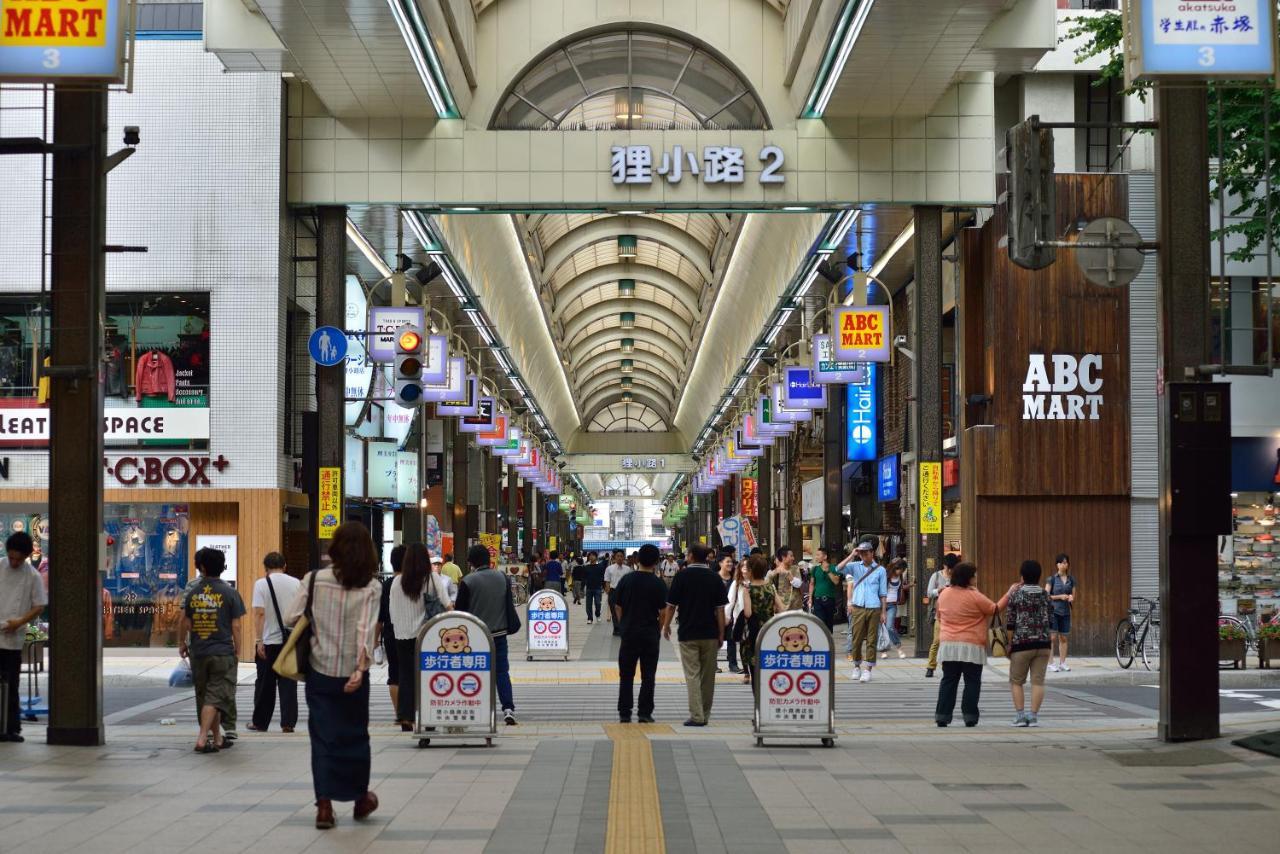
1064 388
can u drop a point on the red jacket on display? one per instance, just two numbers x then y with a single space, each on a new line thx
155 375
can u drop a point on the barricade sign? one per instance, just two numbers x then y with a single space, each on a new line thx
547 626
455 685
795 694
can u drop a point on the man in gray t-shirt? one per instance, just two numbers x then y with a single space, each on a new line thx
211 637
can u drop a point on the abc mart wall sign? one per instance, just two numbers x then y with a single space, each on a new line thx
50 41
1201 39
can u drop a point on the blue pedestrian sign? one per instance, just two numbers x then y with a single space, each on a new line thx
328 346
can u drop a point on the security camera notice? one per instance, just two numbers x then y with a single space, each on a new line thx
53 23
1064 388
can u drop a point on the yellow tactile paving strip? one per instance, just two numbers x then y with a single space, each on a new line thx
635 818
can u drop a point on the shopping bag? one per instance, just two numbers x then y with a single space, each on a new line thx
181 675
883 642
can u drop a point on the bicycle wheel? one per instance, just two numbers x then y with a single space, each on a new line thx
1125 642
1143 646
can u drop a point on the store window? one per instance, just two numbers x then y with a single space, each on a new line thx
155 356
144 573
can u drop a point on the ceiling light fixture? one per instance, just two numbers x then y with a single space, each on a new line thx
418 40
485 334
626 246
356 236
883 261
852 19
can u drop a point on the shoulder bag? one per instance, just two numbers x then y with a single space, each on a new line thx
998 637
275 604
294 660
431 605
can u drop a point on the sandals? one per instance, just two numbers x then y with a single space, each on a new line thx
207 748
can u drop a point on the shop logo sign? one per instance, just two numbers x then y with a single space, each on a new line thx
154 471
1072 394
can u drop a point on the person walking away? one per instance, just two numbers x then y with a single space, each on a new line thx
486 594
593 588
964 616
268 629
868 591
578 567
1062 591
894 587
22 598
553 572
616 571
699 597
786 579
211 639
939 581
417 595
343 603
1028 618
641 611
450 588
728 577
825 585
385 631
761 603
451 569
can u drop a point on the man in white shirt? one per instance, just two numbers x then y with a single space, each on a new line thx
670 567
22 598
437 568
613 573
271 595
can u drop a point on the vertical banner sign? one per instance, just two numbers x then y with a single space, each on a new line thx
548 622
329 501
887 481
862 425
749 507
455 678
797 678
930 498
862 334
55 40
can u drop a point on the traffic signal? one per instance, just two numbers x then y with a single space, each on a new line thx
1031 195
410 351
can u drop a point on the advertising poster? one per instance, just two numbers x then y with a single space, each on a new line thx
930 498
749 498
492 542
225 543
548 624
329 503
797 672
455 661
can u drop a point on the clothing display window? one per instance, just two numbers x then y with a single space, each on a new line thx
144 573
1249 559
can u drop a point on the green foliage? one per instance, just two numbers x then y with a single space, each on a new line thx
1269 632
1237 117
1230 632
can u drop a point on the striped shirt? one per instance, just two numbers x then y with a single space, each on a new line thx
408 614
342 623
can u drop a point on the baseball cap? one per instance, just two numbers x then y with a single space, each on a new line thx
864 546
437 559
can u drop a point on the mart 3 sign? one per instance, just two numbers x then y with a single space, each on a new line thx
52 40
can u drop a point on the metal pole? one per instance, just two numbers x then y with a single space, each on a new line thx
78 268
926 307
1188 561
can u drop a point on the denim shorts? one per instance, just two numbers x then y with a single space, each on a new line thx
1060 624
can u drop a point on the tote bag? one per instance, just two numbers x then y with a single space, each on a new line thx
295 657
998 638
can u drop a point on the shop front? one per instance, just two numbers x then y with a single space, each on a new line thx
1249 559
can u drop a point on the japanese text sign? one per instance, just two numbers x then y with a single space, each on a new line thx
862 333
329 501
548 622
719 164
1232 39
827 370
930 498
797 673
455 660
60 39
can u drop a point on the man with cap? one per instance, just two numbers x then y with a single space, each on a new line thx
868 591
450 586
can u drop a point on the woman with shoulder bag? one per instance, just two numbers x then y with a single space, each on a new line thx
342 608
417 595
759 606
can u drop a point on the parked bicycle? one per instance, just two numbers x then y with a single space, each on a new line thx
1249 625
1133 630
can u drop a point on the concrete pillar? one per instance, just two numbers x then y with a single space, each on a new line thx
926 308
78 267
458 443
513 511
833 468
530 499
764 500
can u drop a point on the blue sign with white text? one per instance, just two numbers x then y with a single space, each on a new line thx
800 391
1207 39
328 346
887 478
862 418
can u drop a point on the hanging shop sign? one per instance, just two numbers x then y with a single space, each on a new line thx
828 369
509 448
1065 388
384 322
1175 38
749 501
159 471
745 447
862 425
719 164
329 501
930 477
483 420
455 664
496 436
800 391
796 693
30 425
548 622
453 386
887 478
407 477
765 424
782 412
56 40
466 405
862 333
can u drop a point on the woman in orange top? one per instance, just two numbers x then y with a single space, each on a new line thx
964 615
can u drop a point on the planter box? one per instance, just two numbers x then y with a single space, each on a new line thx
1232 651
1268 649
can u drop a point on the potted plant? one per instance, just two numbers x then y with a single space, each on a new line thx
1231 645
1268 644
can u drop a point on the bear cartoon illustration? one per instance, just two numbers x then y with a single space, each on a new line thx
454 640
547 603
794 639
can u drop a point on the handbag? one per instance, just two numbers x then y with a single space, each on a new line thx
431 605
998 637
295 657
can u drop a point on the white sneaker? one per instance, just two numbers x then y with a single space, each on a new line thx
901 654
884 654
1053 668
856 674
1063 666
866 675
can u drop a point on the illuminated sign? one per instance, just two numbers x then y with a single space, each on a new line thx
59 39
784 413
887 478
801 392
826 368
862 334
1227 38
861 412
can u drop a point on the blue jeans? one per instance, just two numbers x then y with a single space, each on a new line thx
890 617
502 673
593 598
824 608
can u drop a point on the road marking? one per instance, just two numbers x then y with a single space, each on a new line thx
635 817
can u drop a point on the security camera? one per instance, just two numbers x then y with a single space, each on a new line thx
132 136
899 340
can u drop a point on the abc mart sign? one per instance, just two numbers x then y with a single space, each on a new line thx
49 41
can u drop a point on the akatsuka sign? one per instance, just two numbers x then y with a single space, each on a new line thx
52 40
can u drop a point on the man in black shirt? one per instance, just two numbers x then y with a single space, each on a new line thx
640 608
593 587
699 594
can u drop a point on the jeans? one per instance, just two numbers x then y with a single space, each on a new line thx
642 650
407 679
732 654
578 587
698 658
951 673
891 623
10 668
824 608
265 688
593 599
502 673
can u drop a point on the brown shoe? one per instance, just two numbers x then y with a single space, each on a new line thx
366 805
324 814
286 729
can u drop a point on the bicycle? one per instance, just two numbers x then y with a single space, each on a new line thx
1132 631
1248 624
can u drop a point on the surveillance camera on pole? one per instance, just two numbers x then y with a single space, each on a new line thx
1031 195
410 352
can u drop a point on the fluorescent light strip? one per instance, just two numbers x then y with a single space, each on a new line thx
419 56
755 363
808 282
486 335
883 261
737 387
846 48
366 248
773 333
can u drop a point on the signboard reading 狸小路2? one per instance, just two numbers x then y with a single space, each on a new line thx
53 40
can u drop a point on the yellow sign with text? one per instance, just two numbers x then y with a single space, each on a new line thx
53 23
931 498
329 502
862 334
